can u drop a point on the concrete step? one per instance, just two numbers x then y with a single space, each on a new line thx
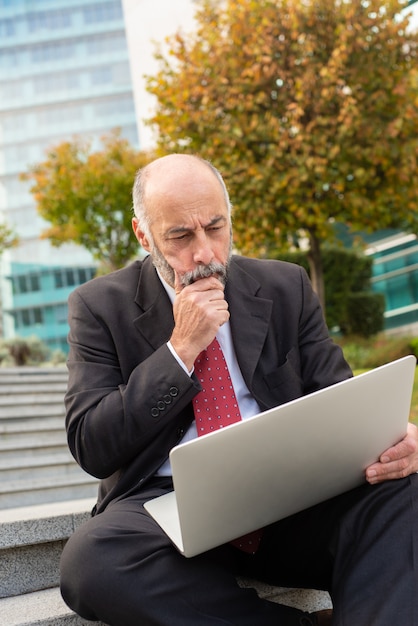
29 372
47 608
31 540
17 441
43 385
17 493
35 463
31 423
31 394
46 465
33 409
27 525
32 431
31 543
40 608
31 450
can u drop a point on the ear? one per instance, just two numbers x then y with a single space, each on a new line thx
140 235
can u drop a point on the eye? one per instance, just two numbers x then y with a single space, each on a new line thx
179 237
214 228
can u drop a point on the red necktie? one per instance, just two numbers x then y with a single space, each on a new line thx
215 407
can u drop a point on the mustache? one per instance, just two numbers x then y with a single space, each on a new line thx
204 271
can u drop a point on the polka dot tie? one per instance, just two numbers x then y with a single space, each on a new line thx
215 407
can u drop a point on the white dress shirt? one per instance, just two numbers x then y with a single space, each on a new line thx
247 405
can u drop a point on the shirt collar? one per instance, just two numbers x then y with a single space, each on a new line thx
169 289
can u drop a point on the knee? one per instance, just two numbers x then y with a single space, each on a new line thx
78 579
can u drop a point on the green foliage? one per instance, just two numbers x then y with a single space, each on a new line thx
87 197
347 275
8 239
362 353
307 108
365 313
355 352
345 272
414 346
413 416
58 357
23 351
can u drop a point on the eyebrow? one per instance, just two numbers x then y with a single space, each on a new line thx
185 229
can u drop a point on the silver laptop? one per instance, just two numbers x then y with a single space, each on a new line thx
260 470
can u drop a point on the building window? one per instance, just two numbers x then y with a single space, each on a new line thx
60 313
53 51
9 58
7 28
106 43
101 75
103 13
58 279
57 343
28 317
34 283
11 90
51 116
49 20
72 276
113 106
54 83
26 283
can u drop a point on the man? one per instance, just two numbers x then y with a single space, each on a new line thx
135 336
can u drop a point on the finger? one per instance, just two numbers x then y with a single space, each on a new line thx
177 283
379 472
403 449
208 283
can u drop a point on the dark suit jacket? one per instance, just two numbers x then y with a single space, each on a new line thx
128 400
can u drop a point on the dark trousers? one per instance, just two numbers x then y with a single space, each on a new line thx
120 568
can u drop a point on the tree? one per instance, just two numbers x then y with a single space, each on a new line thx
87 196
8 239
309 109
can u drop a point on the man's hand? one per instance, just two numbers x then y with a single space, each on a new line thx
199 310
396 462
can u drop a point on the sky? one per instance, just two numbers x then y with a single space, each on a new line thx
414 19
145 25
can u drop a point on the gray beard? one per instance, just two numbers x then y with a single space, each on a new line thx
201 271
204 271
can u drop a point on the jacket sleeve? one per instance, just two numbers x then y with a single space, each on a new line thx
110 419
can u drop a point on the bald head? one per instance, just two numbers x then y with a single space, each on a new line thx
172 176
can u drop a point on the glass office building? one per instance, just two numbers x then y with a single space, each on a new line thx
395 274
64 71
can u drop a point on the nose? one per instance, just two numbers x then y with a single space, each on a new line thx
203 253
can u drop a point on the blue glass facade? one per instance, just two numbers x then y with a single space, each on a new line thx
40 300
64 71
395 274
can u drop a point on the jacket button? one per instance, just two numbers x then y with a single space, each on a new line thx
161 405
174 392
155 412
167 399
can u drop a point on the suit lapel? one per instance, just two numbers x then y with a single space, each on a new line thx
250 319
156 321
250 314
